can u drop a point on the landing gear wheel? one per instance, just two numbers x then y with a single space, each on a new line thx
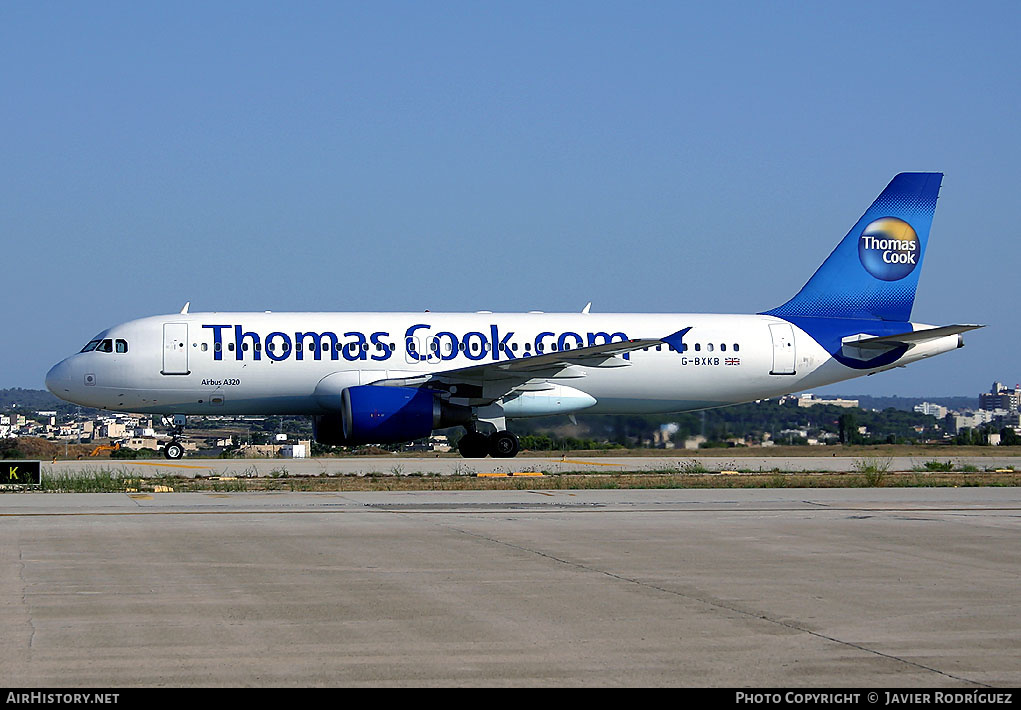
503 445
173 450
473 445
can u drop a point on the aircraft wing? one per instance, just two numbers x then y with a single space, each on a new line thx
484 383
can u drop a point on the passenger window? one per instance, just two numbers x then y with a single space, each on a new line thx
709 347
121 346
659 348
723 347
205 346
736 348
230 346
698 347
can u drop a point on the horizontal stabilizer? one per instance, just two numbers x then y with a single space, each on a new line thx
866 347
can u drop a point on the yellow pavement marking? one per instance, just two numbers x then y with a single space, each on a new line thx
134 462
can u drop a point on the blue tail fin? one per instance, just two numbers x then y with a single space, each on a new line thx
873 272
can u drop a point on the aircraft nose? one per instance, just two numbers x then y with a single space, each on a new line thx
58 379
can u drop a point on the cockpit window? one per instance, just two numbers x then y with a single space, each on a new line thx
105 346
121 346
91 346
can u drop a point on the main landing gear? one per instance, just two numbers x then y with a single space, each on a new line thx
500 445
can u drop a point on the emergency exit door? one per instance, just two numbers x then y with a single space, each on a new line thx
783 348
175 349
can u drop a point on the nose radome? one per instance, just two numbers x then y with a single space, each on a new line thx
58 378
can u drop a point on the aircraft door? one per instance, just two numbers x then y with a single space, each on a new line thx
412 350
433 350
175 349
783 348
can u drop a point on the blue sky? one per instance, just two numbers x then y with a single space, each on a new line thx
660 156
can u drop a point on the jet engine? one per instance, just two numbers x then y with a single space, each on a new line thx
371 414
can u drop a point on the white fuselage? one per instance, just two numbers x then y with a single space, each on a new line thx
279 363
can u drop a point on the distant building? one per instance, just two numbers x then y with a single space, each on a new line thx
112 430
810 400
142 442
999 397
935 410
972 420
692 443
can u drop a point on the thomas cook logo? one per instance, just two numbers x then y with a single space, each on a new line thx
889 249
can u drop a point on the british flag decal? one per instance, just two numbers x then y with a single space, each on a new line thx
732 361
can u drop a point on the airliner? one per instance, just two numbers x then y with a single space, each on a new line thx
377 378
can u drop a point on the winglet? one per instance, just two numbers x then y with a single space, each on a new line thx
184 310
676 340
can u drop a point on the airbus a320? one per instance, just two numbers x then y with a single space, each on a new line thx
375 378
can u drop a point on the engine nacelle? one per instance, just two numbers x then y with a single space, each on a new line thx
386 415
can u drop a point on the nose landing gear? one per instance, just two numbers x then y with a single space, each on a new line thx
174 449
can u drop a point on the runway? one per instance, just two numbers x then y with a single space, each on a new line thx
763 588
455 465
